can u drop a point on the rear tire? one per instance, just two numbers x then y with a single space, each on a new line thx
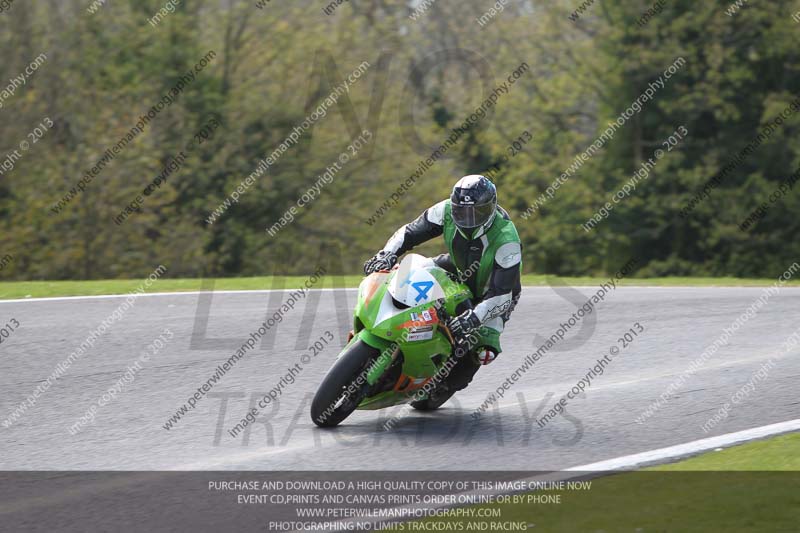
331 403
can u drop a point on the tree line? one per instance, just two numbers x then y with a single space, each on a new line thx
275 64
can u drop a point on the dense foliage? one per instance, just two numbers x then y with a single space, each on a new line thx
275 64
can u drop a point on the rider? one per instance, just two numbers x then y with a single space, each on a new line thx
484 252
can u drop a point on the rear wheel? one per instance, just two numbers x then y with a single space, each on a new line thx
339 393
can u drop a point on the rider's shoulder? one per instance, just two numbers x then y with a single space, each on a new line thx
436 213
503 213
506 226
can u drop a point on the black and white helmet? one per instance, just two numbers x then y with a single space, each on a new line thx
474 202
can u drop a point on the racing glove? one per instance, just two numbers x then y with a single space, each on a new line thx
383 260
462 325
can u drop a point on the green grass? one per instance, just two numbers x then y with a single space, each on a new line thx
752 487
537 279
776 454
40 289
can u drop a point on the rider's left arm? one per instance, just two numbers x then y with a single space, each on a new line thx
424 228
503 283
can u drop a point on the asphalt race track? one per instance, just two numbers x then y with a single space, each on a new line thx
128 432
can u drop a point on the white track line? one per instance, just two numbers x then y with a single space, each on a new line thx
267 291
176 293
690 448
625 462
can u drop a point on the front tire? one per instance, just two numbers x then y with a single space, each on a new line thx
332 403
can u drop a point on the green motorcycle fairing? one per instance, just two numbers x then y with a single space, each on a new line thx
398 309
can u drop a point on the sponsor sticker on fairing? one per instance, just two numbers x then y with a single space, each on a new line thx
420 334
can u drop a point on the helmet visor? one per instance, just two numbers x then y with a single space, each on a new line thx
472 216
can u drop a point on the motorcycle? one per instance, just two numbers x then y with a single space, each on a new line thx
400 349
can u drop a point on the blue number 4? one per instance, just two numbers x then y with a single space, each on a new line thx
422 288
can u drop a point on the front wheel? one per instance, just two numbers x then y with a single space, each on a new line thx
341 391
